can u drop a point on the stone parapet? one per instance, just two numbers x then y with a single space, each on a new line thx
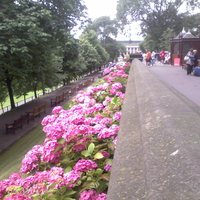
157 155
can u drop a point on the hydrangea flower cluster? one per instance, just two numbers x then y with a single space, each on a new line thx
74 138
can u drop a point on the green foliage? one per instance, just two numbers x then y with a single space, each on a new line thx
104 27
34 43
165 38
155 17
191 22
107 29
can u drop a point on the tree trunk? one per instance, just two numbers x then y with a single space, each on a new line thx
24 98
43 88
2 107
35 90
10 92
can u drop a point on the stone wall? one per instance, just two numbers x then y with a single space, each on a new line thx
158 150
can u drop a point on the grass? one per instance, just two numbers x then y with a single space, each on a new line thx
12 157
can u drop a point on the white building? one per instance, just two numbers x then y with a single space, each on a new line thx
131 46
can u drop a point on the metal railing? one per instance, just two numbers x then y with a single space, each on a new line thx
19 103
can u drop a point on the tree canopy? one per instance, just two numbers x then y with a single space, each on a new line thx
155 16
107 30
30 31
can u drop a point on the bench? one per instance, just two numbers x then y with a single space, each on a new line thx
37 110
12 127
73 90
18 123
25 118
80 86
87 83
66 94
59 98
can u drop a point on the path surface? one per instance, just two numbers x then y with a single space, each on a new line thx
188 85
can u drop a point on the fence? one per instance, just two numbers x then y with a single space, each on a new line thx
19 103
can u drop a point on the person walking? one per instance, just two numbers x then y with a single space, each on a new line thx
153 58
162 56
190 61
148 58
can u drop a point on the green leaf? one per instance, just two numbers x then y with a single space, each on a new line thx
98 156
61 141
111 146
91 148
85 153
106 176
57 149
67 169
65 159
70 192
108 161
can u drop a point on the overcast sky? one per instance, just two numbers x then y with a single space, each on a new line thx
99 8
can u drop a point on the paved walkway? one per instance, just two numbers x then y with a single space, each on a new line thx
8 139
188 85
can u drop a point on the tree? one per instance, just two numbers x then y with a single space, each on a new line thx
107 31
3 95
165 39
29 32
104 27
155 16
192 23
91 50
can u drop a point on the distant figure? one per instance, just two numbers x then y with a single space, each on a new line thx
153 58
190 61
148 57
162 56
196 57
167 58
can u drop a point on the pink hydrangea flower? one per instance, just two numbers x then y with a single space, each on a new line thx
102 196
71 177
92 195
48 153
85 165
48 119
106 120
117 116
115 141
13 177
38 189
31 159
18 196
89 195
80 145
108 167
57 109
113 91
117 86
106 71
107 133
105 154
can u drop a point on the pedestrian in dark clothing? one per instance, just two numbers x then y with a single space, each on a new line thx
196 57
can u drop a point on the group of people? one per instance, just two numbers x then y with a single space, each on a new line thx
151 58
192 60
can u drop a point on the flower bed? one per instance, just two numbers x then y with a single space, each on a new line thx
76 158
